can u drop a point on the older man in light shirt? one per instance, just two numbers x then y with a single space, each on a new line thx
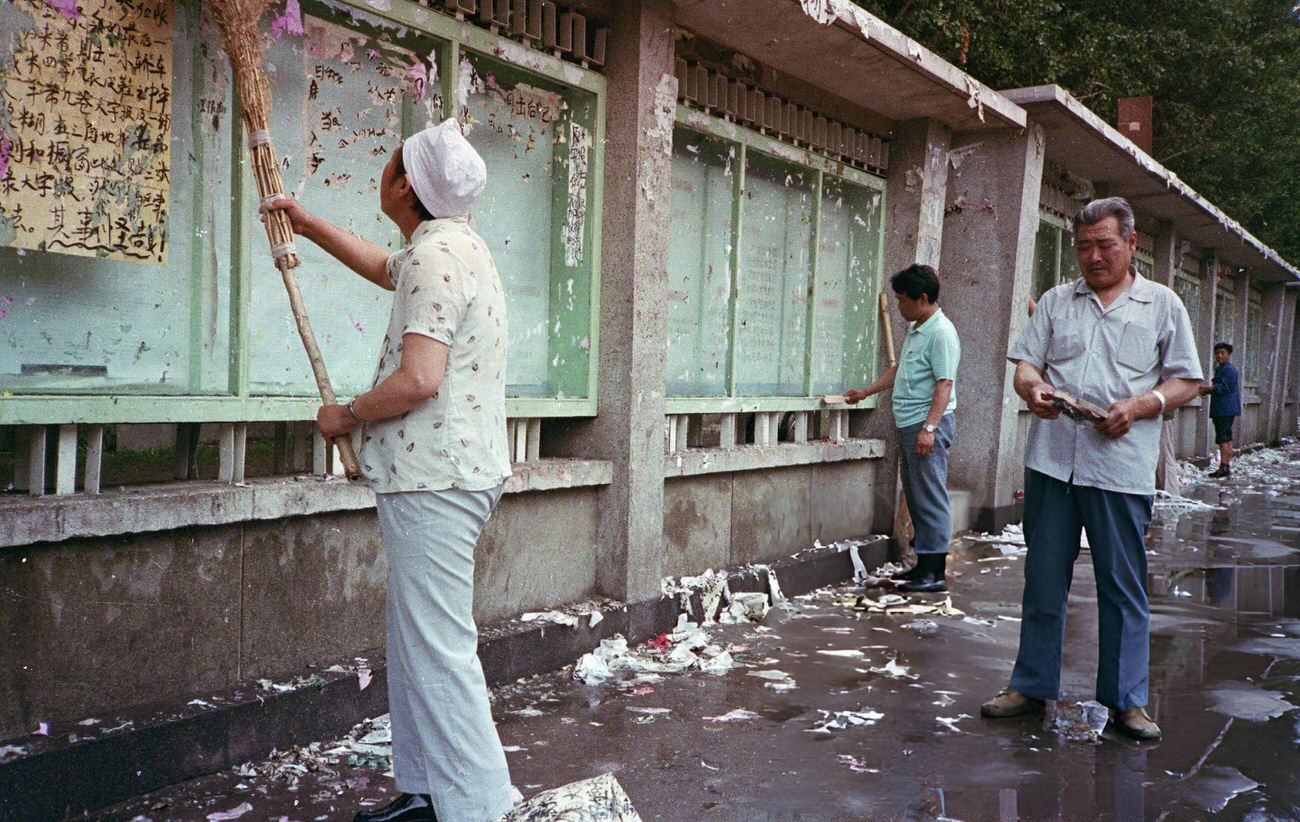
431 437
1126 344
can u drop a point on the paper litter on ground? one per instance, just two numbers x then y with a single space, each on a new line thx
1173 503
840 720
600 799
1080 721
776 680
720 604
687 647
893 669
234 813
856 765
950 722
735 715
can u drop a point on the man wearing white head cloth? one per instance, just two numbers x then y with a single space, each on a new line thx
431 438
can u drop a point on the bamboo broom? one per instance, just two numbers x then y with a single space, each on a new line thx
238 20
903 528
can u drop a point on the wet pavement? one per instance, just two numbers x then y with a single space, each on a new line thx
744 745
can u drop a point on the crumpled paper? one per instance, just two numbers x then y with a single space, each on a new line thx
600 799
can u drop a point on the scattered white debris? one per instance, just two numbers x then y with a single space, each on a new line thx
687 647
1010 541
637 709
528 712
893 669
1175 504
234 813
737 715
924 627
776 680
1080 721
8 752
42 729
950 722
839 720
856 765
850 652
558 617
600 799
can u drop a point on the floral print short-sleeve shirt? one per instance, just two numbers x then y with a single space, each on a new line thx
446 288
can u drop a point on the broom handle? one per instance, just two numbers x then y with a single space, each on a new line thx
344 443
888 331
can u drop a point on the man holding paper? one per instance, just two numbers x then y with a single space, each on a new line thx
1124 347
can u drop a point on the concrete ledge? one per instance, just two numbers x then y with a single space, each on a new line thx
694 462
25 520
59 778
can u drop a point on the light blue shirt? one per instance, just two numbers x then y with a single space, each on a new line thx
931 352
1102 355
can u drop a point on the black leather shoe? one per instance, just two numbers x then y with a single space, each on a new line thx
409 807
923 585
906 576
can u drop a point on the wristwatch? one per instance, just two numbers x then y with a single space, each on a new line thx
929 428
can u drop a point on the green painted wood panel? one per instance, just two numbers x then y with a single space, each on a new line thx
216 318
699 265
83 325
775 274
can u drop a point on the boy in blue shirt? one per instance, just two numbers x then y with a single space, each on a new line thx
1225 405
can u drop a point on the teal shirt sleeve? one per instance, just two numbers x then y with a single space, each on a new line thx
945 353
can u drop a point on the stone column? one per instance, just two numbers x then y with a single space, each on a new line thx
1290 377
1166 254
988 258
629 429
914 200
1205 347
1273 361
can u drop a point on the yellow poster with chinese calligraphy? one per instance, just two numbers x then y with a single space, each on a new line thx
85 128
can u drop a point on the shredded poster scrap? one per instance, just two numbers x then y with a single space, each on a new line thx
575 216
85 130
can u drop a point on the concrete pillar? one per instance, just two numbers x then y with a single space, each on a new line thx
1241 291
1165 254
914 198
629 430
1290 378
988 257
1273 360
1205 347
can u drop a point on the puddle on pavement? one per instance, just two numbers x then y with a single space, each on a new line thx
1225 679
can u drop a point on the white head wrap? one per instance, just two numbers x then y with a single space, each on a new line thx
448 175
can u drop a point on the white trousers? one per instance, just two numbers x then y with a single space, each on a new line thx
444 741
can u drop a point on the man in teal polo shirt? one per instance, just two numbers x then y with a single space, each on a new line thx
924 401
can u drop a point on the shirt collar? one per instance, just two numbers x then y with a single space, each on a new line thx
428 227
1142 289
927 326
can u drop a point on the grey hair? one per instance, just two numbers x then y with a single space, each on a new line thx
1098 210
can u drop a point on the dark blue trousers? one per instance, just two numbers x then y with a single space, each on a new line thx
925 486
1116 525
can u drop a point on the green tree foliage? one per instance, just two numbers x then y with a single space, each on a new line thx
1225 75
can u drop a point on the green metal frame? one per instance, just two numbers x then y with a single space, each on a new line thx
746 140
451 37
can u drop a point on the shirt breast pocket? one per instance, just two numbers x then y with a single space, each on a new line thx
1137 349
1064 347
